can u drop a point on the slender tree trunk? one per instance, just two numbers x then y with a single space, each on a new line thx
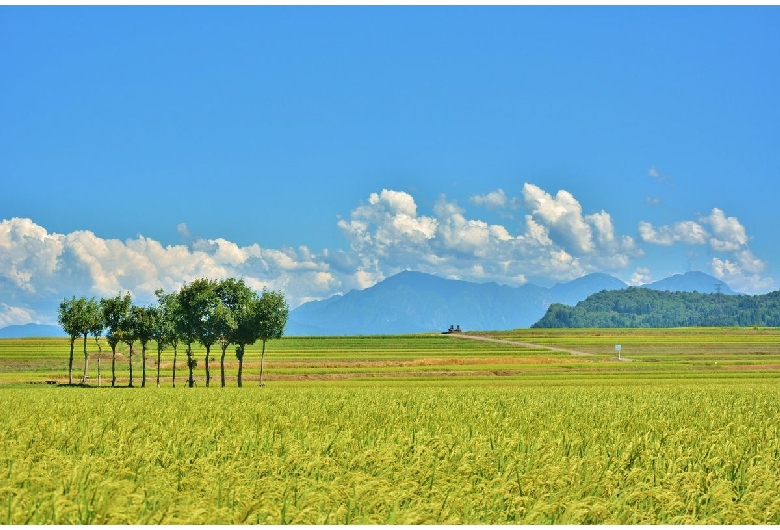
113 365
175 354
262 360
99 369
208 372
86 361
70 361
190 364
143 365
222 366
240 355
131 365
159 356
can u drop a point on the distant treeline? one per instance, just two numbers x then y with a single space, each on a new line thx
637 307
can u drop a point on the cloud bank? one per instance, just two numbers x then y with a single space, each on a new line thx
554 239
735 263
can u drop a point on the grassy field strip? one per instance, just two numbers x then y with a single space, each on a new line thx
309 358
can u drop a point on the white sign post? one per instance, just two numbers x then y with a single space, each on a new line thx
617 349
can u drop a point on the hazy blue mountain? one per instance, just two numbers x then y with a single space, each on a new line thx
30 330
579 289
412 302
690 282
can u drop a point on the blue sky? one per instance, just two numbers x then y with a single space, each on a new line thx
322 149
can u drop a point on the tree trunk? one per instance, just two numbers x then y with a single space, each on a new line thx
175 354
190 365
86 361
99 369
143 365
262 359
208 372
222 366
130 357
70 361
113 364
240 355
159 356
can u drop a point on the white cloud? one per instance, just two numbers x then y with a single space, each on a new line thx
38 269
740 278
640 276
183 230
562 213
653 172
494 199
10 315
736 264
387 224
28 252
728 232
687 232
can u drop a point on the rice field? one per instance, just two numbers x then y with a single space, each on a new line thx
357 431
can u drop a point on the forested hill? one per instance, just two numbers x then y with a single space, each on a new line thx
637 307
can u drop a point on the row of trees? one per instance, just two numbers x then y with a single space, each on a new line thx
210 312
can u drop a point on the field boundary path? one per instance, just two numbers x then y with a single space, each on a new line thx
525 344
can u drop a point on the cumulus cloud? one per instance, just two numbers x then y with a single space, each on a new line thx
10 315
687 232
37 268
727 236
562 213
557 240
494 199
389 222
640 276
654 173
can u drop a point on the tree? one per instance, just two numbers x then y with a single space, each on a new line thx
130 333
248 324
213 317
79 316
192 308
90 320
165 332
273 312
145 325
234 296
115 311
66 316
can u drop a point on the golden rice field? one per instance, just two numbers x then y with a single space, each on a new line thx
525 435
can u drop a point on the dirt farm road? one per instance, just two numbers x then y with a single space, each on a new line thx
525 344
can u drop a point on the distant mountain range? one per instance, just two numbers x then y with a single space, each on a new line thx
412 302
31 330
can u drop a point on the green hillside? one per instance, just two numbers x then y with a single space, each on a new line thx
647 308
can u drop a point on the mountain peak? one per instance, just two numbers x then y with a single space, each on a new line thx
689 282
